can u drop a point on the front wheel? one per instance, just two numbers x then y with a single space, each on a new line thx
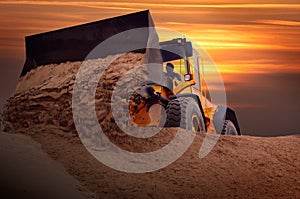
184 112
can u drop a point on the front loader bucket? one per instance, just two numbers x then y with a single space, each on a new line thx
75 43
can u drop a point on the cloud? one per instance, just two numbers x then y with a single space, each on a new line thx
160 5
279 22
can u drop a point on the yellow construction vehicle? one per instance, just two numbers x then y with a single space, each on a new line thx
181 95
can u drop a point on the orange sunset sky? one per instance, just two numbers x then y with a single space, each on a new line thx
229 30
250 41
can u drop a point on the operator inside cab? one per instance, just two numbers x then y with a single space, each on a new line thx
170 72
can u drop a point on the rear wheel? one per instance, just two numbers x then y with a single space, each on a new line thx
229 128
184 112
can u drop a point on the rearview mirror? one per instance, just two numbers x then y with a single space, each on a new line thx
187 77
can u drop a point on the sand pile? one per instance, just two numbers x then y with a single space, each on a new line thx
237 167
44 95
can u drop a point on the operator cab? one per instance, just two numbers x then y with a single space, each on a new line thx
179 54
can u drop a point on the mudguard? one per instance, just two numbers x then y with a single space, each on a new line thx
225 113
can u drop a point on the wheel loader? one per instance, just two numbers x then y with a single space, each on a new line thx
186 104
183 100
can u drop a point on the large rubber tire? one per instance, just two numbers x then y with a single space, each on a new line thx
229 128
184 112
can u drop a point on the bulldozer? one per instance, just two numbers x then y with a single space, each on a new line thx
181 94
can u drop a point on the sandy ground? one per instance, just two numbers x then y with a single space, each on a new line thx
238 167
41 107
28 172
